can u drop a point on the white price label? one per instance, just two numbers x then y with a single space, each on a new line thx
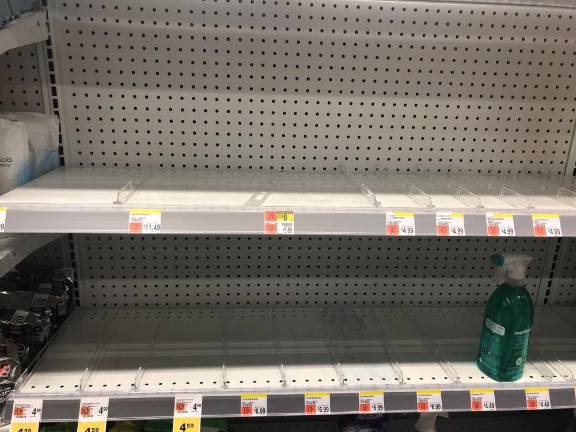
279 222
26 415
187 413
546 225
316 403
3 211
400 224
450 224
538 398
500 225
482 400
253 404
93 415
142 221
371 402
429 400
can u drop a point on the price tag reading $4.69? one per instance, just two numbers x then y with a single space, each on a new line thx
93 415
429 400
538 398
371 402
500 225
26 415
187 413
253 404
3 211
144 221
482 400
400 224
316 403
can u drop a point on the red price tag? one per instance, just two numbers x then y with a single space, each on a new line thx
246 410
365 407
532 404
135 227
493 230
392 229
270 216
423 406
476 405
310 409
442 230
540 230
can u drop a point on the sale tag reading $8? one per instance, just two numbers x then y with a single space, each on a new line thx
279 222
450 224
500 225
187 413
538 398
546 225
371 402
316 403
400 224
482 400
253 404
429 400
93 414
143 221
26 415
3 211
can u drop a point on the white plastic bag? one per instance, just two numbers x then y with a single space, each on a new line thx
14 155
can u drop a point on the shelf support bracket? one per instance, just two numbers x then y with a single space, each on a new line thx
138 379
468 198
514 198
566 196
365 190
420 197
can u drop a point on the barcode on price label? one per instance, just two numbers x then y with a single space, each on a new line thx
145 221
500 225
93 414
26 415
482 400
429 400
450 224
3 211
187 413
546 225
316 403
371 402
253 404
538 398
279 222
400 224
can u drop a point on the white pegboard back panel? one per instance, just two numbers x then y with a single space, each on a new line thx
311 85
20 83
563 286
137 271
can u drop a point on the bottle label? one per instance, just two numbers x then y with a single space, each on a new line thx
496 328
504 354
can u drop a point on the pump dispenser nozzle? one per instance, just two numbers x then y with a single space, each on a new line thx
511 267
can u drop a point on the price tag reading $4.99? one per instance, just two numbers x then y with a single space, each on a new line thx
450 224
400 224
3 211
500 225
538 398
26 415
187 413
93 415
279 222
482 400
253 404
316 403
546 225
371 402
143 221
429 400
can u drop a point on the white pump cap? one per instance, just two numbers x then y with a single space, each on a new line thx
511 266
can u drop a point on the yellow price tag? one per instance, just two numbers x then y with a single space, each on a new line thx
190 424
94 426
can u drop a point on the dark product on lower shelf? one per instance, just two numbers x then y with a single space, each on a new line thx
25 326
45 305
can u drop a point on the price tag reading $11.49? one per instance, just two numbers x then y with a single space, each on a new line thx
429 400
26 415
187 413
144 221
93 414
316 403
371 402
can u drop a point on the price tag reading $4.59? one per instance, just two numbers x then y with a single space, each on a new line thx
187 413
450 224
538 398
482 400
371 402
3 211
26 415
253 404
400 224
144 221
93 414
316 403
500 225
429 400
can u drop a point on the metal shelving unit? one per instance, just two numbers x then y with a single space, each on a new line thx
98 200
28 29
15 248
142 358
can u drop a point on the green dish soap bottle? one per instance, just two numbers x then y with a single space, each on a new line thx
507 321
